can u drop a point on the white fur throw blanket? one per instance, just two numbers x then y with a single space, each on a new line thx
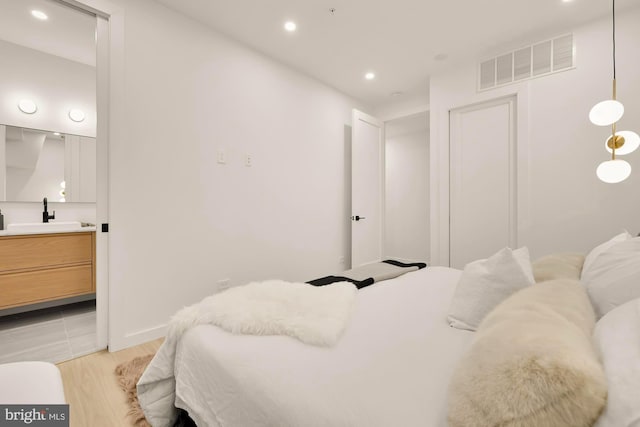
313 314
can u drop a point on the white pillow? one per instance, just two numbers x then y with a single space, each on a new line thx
486 283
613 277
595 252
617 336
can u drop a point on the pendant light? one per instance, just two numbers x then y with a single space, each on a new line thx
607 113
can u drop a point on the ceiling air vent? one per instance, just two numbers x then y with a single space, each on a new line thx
539 59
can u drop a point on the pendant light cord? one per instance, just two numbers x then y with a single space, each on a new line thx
613 126
614 39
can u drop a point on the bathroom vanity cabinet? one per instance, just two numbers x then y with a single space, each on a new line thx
40 268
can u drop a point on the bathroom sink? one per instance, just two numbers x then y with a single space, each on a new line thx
44 227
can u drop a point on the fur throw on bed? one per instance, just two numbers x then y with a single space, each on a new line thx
532 363
314 315
558 266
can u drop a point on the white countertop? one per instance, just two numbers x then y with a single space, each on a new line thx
18 233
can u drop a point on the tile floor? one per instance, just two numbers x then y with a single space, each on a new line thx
51 335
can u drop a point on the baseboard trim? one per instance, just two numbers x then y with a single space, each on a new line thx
135 338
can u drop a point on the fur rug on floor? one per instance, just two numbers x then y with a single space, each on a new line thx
129 374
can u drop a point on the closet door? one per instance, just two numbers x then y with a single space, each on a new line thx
482 180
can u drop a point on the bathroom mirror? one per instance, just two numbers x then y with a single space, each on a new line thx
37 163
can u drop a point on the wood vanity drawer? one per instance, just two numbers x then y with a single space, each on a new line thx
36 286
26 252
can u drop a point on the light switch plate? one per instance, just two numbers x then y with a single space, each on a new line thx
222 157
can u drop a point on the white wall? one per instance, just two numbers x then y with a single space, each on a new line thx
407 190
562 205
180 221
55 84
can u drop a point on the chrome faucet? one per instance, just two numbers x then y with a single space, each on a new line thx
45 215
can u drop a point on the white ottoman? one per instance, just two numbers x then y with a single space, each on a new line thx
30 383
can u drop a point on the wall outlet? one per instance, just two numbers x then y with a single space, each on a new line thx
224 284
248 160
341 260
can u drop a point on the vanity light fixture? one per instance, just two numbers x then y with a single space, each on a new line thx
370 76
607 113
290 26
76 115
27 106
38 14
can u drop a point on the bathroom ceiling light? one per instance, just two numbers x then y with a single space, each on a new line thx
290 26
370 76
38 14
76 115
27 106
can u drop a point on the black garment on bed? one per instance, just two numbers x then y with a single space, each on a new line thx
327 280
420 265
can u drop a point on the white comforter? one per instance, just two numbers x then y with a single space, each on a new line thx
391 367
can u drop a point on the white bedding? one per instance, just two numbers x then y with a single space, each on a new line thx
391 367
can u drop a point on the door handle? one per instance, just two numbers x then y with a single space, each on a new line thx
357 218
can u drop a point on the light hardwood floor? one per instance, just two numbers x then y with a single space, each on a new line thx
92 390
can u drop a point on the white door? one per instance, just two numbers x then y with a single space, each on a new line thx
367 183
482 180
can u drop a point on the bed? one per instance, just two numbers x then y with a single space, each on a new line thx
557 340
391 366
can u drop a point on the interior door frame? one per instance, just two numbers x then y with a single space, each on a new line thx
110 122
439 164
455 116
359 115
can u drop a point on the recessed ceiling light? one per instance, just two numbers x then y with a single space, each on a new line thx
76 115
370 76
290 26
27 106
56 133
396 94
39 15
567 1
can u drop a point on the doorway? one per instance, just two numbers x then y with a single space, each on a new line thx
56 44
407 221
367 189
390 189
